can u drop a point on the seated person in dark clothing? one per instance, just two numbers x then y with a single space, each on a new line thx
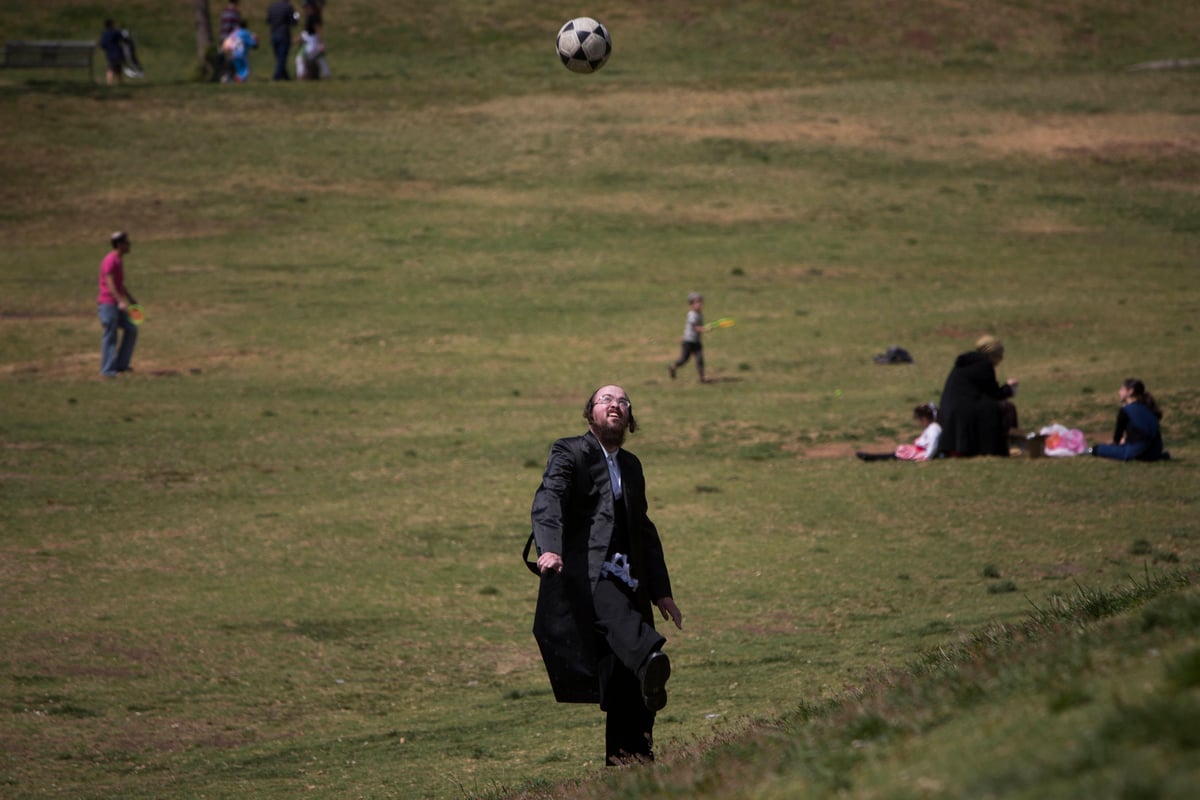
1137 435
975 414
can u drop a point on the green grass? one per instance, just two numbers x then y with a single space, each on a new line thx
283 556
1109 677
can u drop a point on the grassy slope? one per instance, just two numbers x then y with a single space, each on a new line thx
283 556
1095 697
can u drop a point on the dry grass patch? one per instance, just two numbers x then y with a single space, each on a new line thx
1151 135
785 116
75 215
843 450
70 365
838 131
1045 223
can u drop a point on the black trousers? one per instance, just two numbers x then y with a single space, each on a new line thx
626 640
687 350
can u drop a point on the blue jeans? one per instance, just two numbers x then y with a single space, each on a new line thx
1135 451
114 359
282 45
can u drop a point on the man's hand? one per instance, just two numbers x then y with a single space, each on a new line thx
549 561
670 611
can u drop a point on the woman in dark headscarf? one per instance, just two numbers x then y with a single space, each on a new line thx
976 415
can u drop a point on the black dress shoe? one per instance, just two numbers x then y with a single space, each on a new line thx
655 672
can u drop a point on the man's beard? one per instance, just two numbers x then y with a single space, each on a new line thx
611 433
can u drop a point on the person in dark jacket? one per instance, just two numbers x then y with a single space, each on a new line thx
976 414
1137 435
598 549
111 42
281 16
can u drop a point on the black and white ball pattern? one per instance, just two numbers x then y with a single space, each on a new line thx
583 45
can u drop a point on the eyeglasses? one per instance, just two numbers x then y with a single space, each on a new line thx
608 400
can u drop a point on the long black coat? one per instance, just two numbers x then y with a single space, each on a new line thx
970 413
572 515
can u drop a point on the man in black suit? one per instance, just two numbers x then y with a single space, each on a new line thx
592 532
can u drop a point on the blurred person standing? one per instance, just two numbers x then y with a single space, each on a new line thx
112 42
229 19
227 24
312 12
119 333
281 17
238 47
311 64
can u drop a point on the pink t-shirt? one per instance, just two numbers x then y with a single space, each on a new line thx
111 265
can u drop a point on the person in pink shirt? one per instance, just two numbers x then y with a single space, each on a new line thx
120 334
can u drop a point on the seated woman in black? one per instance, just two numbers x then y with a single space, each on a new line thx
975 413
1137 435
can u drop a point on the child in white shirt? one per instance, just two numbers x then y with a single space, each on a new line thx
926 445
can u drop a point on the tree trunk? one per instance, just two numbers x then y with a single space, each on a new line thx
204 33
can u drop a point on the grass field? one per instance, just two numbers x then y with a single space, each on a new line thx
283 557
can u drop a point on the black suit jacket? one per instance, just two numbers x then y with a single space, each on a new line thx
573 514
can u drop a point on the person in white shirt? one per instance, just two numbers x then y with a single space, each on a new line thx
926 445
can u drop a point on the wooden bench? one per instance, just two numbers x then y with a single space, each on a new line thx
49 55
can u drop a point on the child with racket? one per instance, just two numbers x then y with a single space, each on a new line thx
692 330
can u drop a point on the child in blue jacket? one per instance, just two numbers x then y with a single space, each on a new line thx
1137 435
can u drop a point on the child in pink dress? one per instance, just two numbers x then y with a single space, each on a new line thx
926 445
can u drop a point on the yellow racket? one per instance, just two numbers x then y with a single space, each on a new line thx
136 315
723 322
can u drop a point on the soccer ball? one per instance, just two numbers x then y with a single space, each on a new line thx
583 45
